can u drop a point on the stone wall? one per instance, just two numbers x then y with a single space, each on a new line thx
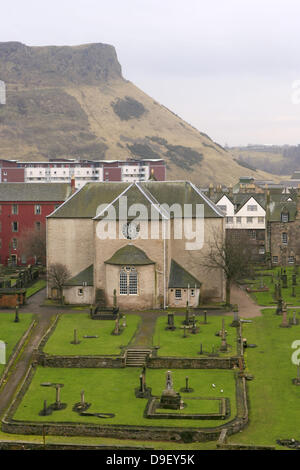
192 363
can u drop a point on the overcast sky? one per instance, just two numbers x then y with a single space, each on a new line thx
228 67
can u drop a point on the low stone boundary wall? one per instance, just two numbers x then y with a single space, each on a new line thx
84 362
16 352
192 363
152 433
22 445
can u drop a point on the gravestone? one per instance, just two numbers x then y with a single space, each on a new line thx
143 391
75 340
284 281
82 405
17 319
223 346
58 405
236 318
117 330
170 324
2 352
187 389
279 306
46 411
169 398
284 323
294 279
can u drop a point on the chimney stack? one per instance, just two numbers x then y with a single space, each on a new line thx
73 189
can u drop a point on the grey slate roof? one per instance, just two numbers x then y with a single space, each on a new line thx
87 275
85 202
34 192
129 255
181 278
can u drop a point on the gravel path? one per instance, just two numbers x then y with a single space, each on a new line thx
247 307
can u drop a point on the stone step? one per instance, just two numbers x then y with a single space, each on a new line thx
137 357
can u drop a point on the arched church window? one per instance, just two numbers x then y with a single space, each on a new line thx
128 281
133 282
123 282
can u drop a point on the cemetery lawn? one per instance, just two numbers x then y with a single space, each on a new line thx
36 287
267 298
11 332
112 391
59 342
172 343
274 400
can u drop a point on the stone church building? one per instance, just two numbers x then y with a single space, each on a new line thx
148 258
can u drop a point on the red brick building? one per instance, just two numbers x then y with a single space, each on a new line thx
24 207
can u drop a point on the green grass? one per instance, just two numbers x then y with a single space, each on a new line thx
11 332
267 298
172 343
274 400
36 287
59 342
112 390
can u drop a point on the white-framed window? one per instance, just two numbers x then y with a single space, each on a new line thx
15 226
133 282
249 220
284 217
284 238
14 209
177 293
251 208
275 259
229 220
239 220
252 234
261 250
37 209
14 243
192 292
291 259
260 220
128 281
223 208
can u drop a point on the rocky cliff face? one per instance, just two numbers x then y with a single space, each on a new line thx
53 66
72 102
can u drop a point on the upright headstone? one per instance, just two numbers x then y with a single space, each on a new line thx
284 281
284 323
2 352
75 340
294 279
17 319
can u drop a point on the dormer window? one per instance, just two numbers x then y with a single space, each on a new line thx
284 216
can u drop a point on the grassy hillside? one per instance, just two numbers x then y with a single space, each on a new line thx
73 102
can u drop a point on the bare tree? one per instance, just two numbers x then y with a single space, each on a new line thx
32 244
57 275
232 254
